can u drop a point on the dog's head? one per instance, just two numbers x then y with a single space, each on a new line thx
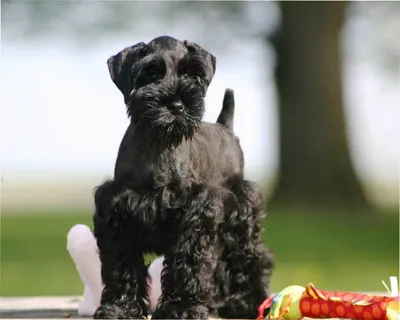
164 84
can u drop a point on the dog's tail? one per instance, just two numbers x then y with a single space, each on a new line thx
228 109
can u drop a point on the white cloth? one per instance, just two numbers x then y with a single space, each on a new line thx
83 250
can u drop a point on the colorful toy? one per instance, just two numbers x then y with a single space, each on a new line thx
83 250
296 302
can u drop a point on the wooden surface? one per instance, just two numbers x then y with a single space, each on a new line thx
39 307
48 307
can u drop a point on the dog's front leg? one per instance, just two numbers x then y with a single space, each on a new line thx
123 271
188 267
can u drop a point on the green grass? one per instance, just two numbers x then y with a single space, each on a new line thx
334 252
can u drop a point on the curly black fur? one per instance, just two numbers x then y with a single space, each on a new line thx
178 190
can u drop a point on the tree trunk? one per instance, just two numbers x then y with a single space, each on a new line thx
315 166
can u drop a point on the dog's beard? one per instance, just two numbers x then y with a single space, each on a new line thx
166 129
156 122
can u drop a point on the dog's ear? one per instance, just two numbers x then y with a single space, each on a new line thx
194 48
119 66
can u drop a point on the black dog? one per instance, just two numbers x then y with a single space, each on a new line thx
178 190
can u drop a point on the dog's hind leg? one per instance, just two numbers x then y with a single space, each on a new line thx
123 271
248 262
188 267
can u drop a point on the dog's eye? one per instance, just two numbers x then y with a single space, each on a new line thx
192 67
196 72
151 75
151 72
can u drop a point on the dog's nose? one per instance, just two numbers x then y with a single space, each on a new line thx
176 107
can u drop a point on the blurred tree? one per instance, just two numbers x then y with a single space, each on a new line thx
315 165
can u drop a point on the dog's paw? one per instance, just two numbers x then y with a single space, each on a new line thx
108 311
176 311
